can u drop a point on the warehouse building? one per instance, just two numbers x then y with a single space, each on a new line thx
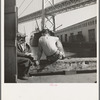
85 31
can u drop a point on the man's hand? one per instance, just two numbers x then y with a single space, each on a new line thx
37 63
62 55
28 54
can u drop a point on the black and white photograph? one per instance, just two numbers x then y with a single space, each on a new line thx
50 41
49 49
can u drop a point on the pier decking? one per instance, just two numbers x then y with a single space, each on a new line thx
66 66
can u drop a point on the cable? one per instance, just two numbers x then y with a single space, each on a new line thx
25 8
21 4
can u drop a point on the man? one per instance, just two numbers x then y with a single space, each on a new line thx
24 59
51 46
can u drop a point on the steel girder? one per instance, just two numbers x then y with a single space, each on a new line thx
61 7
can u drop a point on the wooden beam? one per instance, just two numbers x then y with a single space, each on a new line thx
10 37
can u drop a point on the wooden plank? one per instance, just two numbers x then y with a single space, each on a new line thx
9 3
10 36
10 26
64 72
10 65
10 10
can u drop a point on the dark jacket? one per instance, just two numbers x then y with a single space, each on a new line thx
20 52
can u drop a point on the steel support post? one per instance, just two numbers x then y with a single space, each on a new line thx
43 15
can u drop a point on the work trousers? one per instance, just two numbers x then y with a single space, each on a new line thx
23 65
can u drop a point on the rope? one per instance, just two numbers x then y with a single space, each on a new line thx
21 4
25 8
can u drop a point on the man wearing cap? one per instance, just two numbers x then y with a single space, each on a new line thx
24 59
51 46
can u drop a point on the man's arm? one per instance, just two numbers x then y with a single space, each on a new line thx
39 52
60 46
21 54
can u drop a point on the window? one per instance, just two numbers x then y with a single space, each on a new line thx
65 37
71 37
79 26
91 22
91 33
84 25
74 27
88 23
95 21
61 38
80 37
80 32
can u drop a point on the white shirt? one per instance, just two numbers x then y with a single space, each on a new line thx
48 44
23 46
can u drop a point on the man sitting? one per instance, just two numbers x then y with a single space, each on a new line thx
51 46
24 58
